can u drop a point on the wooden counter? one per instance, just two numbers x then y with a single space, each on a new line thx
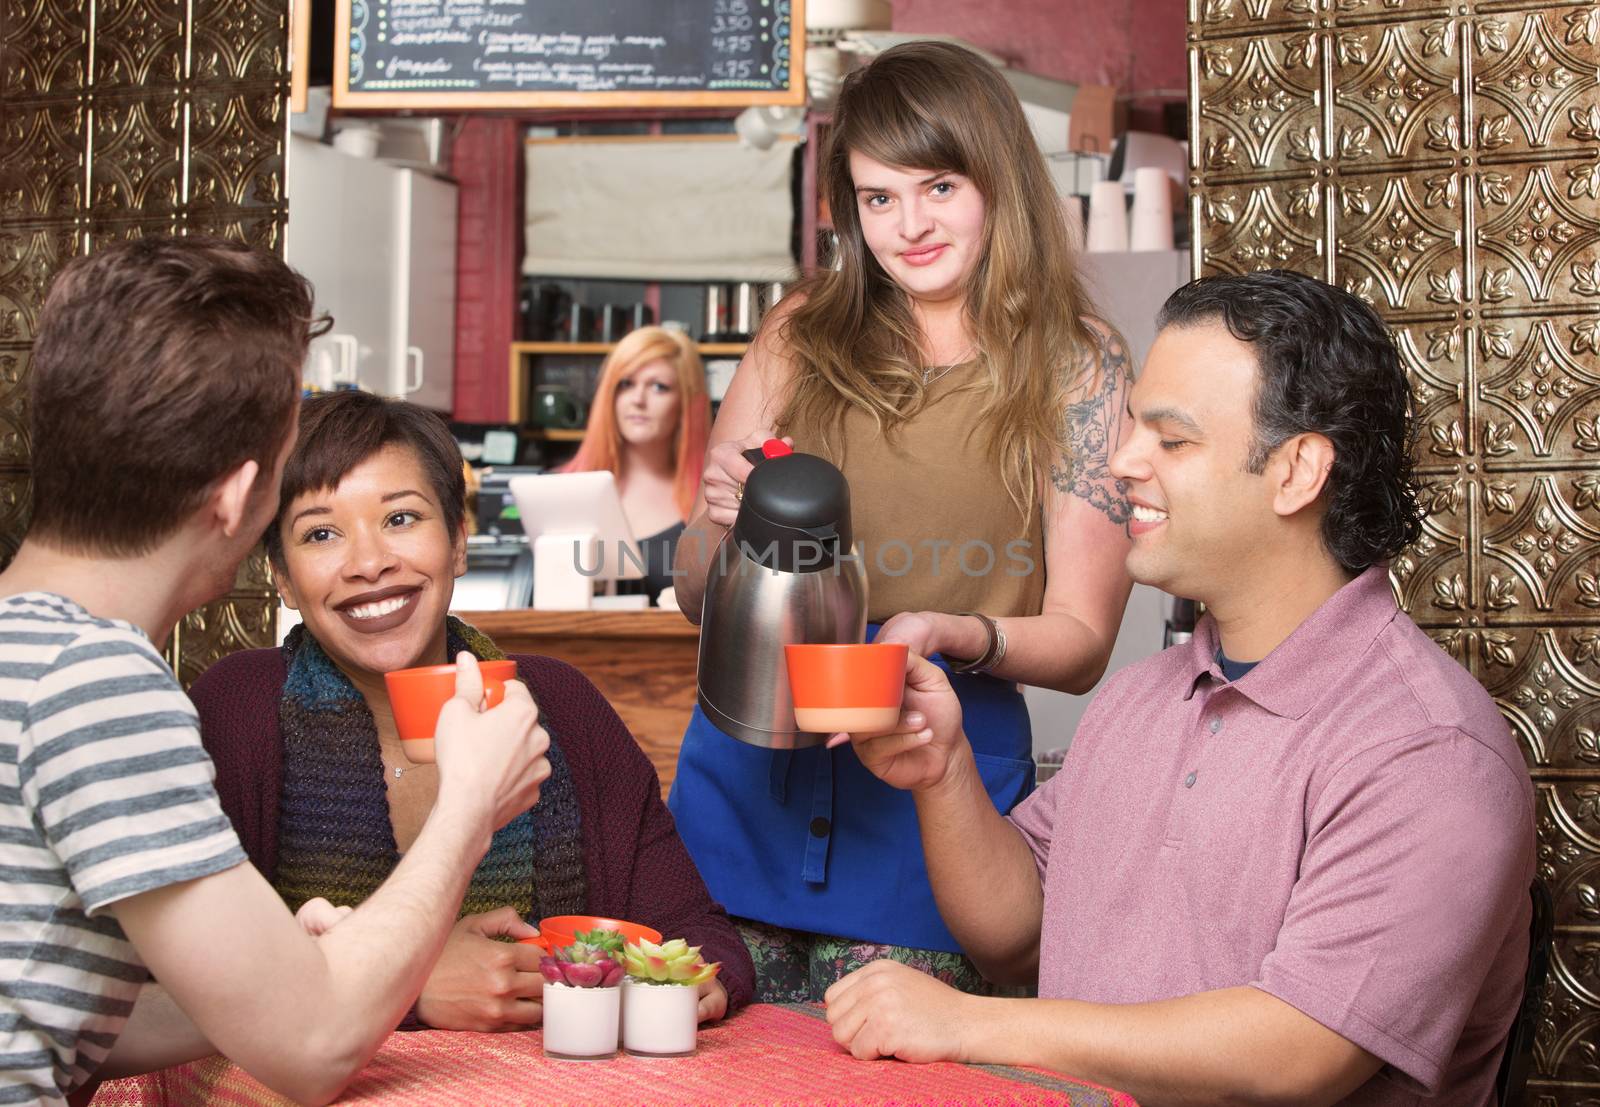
642 661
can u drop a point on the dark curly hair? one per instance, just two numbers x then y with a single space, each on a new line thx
1326 365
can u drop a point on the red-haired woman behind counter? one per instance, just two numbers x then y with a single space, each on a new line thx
648 426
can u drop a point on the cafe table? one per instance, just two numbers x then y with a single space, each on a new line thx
777 1054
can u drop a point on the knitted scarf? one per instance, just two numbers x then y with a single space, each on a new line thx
334 835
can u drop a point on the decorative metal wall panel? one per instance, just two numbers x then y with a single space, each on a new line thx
1442 161
120 118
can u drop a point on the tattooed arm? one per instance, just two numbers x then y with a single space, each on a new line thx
1095 423
1067 645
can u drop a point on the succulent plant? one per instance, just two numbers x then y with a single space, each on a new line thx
609 940
674 962
582 965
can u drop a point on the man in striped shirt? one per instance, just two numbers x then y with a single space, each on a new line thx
116 860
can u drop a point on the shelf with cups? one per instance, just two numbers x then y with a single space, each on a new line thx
524 382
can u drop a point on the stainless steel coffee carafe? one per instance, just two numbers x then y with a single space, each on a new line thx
786 572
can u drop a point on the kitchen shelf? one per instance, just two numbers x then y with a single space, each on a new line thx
523 350
518 348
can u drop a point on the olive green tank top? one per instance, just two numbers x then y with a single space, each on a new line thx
934 524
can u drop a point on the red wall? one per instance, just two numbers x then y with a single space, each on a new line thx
487 162
1161 61
1132 45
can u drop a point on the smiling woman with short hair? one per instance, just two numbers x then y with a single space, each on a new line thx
368 541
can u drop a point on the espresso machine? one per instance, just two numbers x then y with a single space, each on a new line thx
786 572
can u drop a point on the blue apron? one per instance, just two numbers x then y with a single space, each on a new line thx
809 839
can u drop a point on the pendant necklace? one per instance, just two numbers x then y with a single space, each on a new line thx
932 374
402 770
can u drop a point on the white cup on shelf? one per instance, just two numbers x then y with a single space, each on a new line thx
357 139
1108 218
1152 209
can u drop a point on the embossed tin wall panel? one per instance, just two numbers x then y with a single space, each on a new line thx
1442 161
121 118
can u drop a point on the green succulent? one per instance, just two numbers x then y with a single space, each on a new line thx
608 940
674 962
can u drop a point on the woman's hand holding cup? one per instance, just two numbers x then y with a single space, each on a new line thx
417 697
498 752
481 983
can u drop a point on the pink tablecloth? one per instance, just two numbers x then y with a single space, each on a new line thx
768 1054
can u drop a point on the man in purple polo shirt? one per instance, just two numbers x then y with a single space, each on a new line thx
1287 862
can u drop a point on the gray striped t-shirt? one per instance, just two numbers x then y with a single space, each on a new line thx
105 792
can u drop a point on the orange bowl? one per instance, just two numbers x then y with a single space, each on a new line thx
855 688
418 695
560 930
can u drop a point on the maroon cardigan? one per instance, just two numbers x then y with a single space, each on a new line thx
635 864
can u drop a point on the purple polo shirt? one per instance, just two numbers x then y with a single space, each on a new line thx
1348 827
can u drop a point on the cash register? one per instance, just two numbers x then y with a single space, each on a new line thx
499 572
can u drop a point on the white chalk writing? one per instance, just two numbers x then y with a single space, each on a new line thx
510 44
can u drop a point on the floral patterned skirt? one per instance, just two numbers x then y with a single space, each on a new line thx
797 966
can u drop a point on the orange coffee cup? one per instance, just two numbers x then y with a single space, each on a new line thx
852 688
561 930
418 695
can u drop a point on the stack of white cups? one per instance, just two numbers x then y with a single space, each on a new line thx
1152 209
1108 218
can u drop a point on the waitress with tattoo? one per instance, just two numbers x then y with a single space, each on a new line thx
950 367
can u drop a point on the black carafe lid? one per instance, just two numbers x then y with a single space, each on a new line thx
795 514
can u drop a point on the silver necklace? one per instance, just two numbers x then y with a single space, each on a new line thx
937 371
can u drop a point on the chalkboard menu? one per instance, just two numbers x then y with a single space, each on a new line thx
568 53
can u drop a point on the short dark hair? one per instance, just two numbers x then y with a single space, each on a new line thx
160 365
1325 364
340 430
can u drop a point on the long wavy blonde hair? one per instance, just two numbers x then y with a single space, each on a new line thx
854 340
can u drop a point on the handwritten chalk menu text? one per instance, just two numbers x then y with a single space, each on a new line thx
557 53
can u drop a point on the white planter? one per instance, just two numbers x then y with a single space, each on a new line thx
659 1020
580 1024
